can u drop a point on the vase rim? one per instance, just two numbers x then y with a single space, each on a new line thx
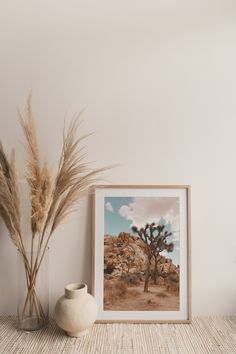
75 286
75 290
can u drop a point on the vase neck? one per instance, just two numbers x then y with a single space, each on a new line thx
75 290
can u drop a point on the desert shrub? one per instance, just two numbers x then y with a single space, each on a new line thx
121 288
163 275
114 291
161 281
173 277
162 294
131 278
173 282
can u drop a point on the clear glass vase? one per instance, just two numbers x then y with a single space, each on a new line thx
33 291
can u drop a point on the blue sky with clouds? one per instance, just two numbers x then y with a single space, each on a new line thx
114 222
120 213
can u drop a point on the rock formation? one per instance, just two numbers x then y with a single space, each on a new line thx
126 254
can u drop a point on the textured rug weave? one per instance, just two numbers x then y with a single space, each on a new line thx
204 335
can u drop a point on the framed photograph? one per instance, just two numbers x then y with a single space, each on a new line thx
141 270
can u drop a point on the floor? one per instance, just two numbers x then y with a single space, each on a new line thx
204 335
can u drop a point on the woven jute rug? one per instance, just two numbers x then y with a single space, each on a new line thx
204 335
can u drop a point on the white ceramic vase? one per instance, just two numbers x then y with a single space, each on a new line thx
76 311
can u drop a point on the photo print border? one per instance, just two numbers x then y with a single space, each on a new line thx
102 223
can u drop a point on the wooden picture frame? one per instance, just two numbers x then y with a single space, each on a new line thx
141 253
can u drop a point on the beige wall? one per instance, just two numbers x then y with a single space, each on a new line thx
158 79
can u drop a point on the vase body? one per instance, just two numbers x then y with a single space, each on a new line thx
76 311
33 293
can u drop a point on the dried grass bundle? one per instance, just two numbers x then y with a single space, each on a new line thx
52 197
9 197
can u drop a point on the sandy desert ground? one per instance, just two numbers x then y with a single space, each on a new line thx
119 297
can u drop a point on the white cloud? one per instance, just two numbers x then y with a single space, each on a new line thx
109 207
126 212
151 209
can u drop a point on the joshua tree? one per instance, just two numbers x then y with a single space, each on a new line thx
160 246
154 236
157 259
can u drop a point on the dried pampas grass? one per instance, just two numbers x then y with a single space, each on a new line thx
9 197
52 197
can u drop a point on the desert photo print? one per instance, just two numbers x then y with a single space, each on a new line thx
141 253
